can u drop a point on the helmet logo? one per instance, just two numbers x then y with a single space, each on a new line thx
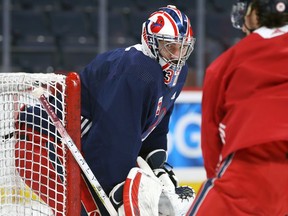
158 25
280 7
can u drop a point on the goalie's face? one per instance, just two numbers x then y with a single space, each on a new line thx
172 55
175 52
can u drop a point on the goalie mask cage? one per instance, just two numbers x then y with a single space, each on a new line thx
38 174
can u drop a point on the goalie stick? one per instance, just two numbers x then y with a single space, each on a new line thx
7 136
38 93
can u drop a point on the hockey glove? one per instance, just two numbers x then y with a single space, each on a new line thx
157 161
116 195
174 200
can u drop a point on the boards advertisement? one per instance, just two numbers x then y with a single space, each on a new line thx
184 150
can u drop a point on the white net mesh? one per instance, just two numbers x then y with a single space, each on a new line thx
32 156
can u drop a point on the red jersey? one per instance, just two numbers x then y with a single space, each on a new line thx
245 96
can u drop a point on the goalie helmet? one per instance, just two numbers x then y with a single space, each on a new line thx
242 7
167 37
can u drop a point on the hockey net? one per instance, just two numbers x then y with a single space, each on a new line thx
38 174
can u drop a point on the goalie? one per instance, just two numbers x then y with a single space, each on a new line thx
127 98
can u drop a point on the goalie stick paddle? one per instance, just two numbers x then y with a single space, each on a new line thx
75 152
7 136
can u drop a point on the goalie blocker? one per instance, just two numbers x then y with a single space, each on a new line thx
152 189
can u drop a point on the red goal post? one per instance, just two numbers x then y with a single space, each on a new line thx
38 174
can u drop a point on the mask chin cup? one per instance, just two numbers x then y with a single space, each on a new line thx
238 12
171 72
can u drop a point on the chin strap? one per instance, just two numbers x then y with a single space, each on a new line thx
250 30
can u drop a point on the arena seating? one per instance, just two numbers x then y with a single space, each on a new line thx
64 34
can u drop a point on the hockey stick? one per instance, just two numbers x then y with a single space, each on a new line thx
38 93
7 136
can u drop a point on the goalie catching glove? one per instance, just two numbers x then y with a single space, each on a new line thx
174 200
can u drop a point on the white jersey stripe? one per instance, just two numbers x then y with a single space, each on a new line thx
85 125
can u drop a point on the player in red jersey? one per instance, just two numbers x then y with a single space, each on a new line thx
245 120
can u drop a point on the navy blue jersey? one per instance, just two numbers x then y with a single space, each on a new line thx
125 111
